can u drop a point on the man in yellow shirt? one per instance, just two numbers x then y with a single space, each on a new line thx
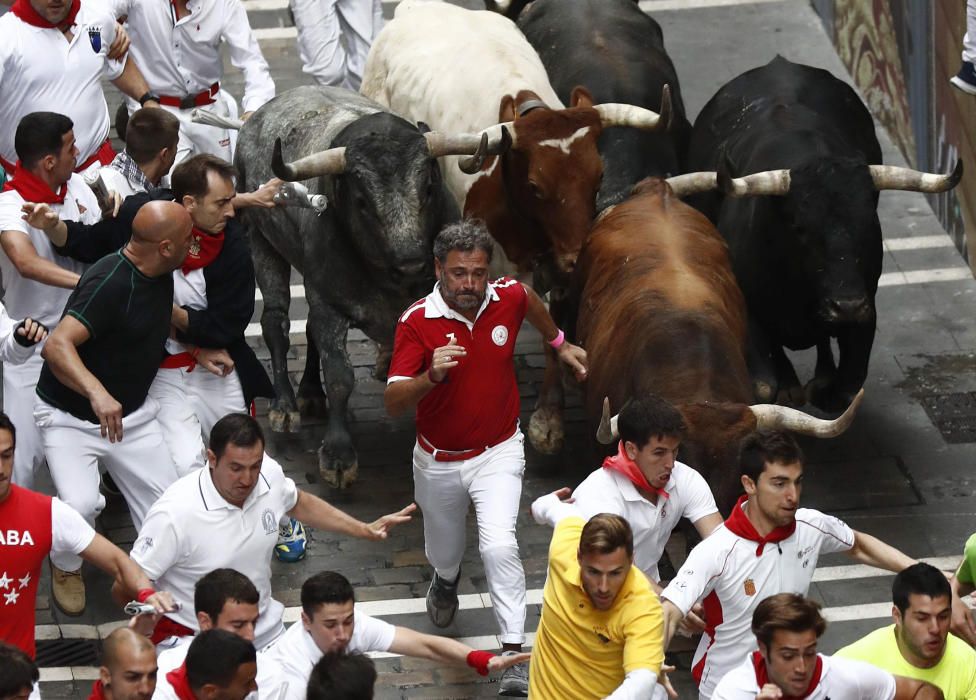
919 645
601 632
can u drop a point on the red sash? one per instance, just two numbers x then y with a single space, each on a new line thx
32 188
762 678
740 525
26 13
181 686
204 249
623 464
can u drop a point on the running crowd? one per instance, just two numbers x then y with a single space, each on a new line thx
125 365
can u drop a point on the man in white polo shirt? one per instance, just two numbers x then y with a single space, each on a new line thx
768 545
334 37
227 516
330 624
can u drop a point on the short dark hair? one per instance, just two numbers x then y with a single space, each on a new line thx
190 176
214 589
649 416
786 611
214 657
762 447
605 533
340 676
237 429
325 588
40 134
7 424
17 671
466 236
918 579
148 132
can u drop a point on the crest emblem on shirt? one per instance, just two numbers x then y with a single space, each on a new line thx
750 587
95 37
269 521
194 246
499 335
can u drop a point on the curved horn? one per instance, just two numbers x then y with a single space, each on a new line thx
770 416
692 183
890 177
775 182
491 142
328 162
607 432
616 114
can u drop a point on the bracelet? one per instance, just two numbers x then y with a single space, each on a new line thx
144 594
557 342
478 660
431 377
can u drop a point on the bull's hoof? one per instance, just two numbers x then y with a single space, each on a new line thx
546 430
338 474
313 406
278 420
764 392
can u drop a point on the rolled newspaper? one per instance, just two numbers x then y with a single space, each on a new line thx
203 116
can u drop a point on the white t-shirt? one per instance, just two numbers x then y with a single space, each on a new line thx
291 659
24 297
12 352
606 491
726 571
191 530
41 72
840 679
69 531
115 181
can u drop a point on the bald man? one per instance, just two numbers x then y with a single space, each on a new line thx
128 669
93 404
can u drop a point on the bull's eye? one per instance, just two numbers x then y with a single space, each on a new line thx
536 190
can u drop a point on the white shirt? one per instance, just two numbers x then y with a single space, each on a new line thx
191 530
170 660
69 531
725 570
840 679
41 72
12 352
115 181
184 58
607 491
290 659
26 297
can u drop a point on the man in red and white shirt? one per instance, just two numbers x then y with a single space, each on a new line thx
787 665
128 670
453 361
768 545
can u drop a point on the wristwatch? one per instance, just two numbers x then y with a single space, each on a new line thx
147 97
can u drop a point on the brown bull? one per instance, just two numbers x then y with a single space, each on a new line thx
660 312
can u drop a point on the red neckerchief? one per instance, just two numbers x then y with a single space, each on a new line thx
623 464
181 686
98 691
32 188
204 248
740 525
762 679
26 13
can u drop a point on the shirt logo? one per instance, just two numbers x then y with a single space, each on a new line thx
269 521
13 538
750 587
10 588
144 544
95 37
499 335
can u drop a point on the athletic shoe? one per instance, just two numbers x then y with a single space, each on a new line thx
442 600
68 589
515 679
291 542
965 79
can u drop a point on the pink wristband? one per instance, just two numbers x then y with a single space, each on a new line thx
144 594
557 342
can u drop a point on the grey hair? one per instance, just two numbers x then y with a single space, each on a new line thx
466 236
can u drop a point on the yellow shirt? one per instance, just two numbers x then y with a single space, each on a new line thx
954 675
584 653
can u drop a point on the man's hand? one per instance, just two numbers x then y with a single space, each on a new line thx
40 216
144 623
215 360
575 357
112 205
445 359
246 115
109 414
665 681
30 332
770 692
694 622
501 663
263 196
962 621
162 601
119 47
379 529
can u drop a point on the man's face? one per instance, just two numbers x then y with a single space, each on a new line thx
6 462
54 11
331 626
133 676
66 159
923 629
235 617
464 278
211 212
242 685
237 471
603 575
655 459
777 493
791 660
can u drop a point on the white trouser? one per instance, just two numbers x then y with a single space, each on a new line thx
493 482
969 39
19 383
140 464
334 37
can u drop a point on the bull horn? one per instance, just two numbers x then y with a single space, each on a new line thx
693 183
329 162
890 177
769 416
477 146
616 114
772 182
607 432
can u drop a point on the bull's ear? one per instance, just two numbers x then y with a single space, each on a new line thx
580 97
423 127
506 111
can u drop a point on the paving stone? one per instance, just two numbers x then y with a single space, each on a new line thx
403 574
395 591
409 679
413 557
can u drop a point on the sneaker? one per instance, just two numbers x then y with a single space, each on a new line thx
68 589
442 600
515 680
965 79
291 542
